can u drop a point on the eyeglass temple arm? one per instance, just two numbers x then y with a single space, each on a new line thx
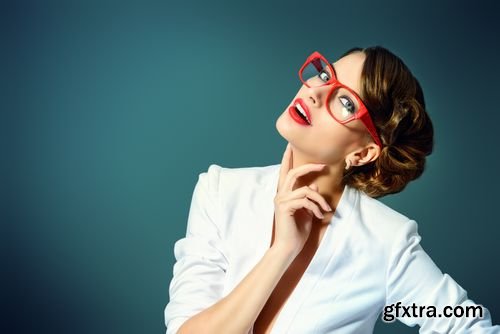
371 128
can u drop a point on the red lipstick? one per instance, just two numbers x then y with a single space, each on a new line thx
297 106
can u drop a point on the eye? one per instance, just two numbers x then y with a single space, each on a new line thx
347 105
323 75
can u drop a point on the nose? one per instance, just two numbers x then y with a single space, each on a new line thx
316 96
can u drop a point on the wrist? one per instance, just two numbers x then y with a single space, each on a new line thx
284 252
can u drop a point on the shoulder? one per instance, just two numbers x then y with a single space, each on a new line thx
242 195
223 177
383 223
381 213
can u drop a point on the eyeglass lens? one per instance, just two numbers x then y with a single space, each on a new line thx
341 103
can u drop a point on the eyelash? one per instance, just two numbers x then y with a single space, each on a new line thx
341 98
323 72
353 108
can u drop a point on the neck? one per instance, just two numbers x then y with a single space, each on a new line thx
328 180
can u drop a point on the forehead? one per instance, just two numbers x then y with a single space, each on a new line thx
349 69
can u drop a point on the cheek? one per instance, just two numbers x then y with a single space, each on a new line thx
333 139
333 132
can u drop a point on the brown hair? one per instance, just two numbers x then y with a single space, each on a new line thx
396 104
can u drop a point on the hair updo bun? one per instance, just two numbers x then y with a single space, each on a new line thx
396 104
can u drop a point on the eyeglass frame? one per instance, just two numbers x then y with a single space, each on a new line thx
362 113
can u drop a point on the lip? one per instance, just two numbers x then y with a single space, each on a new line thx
295 117
304 107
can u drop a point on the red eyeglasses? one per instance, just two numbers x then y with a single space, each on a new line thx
317 72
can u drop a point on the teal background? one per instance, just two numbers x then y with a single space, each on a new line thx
111 110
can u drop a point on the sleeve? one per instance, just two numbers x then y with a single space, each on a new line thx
417 285
201 262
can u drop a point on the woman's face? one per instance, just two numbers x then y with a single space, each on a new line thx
326 140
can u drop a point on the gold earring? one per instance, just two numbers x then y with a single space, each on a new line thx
348 164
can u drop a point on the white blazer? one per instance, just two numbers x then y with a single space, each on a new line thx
369 257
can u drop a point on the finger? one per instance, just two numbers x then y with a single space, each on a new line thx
314 208
285 166
315 195
310 205
304 203
309 193
295 173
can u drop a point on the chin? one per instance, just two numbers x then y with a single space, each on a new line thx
282 128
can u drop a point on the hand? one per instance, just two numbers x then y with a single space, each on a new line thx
294 209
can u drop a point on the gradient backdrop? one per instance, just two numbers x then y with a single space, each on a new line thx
111 110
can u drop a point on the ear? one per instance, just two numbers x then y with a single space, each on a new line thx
364 155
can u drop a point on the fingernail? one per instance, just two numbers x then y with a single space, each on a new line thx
329 208
321 215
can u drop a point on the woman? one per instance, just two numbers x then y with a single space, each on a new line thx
305 246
